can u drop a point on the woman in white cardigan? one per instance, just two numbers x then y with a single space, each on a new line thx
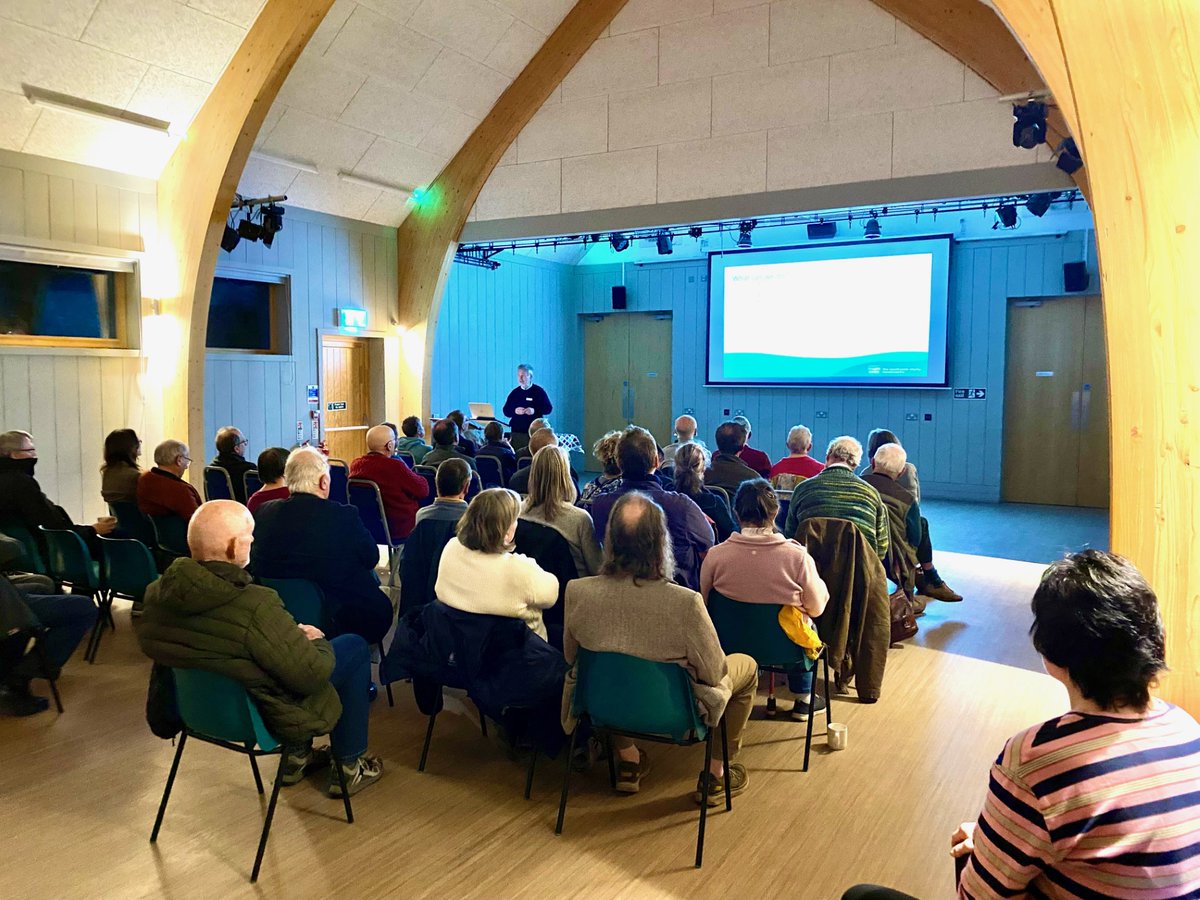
478 572
551 501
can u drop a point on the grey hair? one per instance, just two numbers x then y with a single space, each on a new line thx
525 367
168 451
799 439
890 459
11 441
744 422
303 471
845 450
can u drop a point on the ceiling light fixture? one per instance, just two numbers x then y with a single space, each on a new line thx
39 96
284 161
230 239
871 230
272 223
351 178
695 232
618 242
664 241
1006 216
1029 124
1069 159
744 228
1039 204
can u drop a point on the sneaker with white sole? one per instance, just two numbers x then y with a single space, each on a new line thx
630 774
713 788
364 771
802 710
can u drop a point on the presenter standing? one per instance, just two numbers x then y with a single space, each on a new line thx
526 402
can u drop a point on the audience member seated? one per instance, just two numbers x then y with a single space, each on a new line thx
633 607
22 500
728 470
466 437
413 441
755 459
445 445
120 472
759 565
908 478
66 619
609 479
206 613
543 437
434 529
534 427
478 573
1102 800
551 502
162 491
887 465
500 448
689 481
685 433
797 465
837 493
270 472
231 456
691 533
308 536
402 489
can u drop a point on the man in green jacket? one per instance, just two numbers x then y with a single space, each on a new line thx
206 613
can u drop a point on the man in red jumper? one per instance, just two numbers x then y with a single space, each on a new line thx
401 488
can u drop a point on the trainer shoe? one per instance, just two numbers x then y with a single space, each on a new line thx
303 761
713 788
364 771
801 710
630 775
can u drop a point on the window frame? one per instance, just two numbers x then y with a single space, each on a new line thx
280 314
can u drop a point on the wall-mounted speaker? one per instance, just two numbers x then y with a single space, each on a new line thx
618 296
821 230
1075 277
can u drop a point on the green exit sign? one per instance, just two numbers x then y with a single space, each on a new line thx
351 318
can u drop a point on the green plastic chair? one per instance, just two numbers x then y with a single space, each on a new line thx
645 700
217 710
753 629
71 564
32 560
128 568
170 536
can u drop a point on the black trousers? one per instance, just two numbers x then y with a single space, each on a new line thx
925 547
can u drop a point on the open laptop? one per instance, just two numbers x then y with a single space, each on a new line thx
482 412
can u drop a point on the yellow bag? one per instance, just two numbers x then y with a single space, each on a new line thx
800 630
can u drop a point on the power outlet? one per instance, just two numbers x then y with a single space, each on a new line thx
821 414
725 412
910 417
689 411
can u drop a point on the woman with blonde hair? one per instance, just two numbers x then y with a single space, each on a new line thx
551 502
609 479
479 573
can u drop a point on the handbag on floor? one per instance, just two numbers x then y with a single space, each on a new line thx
904 619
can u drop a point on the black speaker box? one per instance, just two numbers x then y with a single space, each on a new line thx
618 294
1075 277
821 230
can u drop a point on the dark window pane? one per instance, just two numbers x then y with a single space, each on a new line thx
239 316
57 301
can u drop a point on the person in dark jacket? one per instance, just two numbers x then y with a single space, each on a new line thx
466 442
22 500
205 613
543 437
498 447
400 487
435 528
231 456
119 474
526 402
309 536
728 470
689 481
445 445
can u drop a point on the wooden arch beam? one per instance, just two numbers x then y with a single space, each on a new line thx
194 194
429 236
1132 73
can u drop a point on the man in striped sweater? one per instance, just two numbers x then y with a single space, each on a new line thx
837 493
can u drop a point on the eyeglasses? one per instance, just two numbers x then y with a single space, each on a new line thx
242 441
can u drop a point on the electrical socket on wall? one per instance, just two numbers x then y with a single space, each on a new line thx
910 417
725 411
928 417
821 414
689 411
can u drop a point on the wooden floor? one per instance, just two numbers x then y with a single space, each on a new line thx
80 791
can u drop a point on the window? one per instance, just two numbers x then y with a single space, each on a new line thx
249 314
51 303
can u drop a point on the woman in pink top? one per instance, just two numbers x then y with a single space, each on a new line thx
759 565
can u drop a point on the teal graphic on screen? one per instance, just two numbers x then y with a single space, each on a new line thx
868 314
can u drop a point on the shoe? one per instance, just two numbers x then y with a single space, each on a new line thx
933 586
372 692
801 710
630 775
713 788
770 710
19 701
364 771
302 762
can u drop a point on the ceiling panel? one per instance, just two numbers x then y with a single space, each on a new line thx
379 107
472 27
376 44
28 55
65 17
320 142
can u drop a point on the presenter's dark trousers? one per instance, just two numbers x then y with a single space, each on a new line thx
519 440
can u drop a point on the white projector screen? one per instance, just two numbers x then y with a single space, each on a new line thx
869 313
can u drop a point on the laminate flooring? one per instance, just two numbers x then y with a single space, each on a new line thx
80 790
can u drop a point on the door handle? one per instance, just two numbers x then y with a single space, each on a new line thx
1076 410
1085 407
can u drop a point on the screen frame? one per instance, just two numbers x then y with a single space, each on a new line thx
818 385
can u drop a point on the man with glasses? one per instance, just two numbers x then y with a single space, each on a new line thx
162 491
231 456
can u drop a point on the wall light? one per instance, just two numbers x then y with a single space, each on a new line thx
40 96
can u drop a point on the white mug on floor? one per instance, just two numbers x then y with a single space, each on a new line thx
837 736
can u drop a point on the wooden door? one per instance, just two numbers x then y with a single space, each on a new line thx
1055 404
627 358
345 387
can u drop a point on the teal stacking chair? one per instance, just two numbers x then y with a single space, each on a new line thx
32 560
132 522
644 700
128 568
217 484
217 710
71 564
170 537
753 629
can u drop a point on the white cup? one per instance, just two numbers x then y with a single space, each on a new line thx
837 736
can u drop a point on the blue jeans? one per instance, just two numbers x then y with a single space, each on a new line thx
68 618
351 678
800 679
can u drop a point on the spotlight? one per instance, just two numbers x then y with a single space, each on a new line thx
619 242
1006 213
872 231
272 223
1029 124
1069 159
230 239
251 231
664 243
744 228
696 232
595 238
1039 204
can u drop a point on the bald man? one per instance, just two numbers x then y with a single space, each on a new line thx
402 488
206 613
685 433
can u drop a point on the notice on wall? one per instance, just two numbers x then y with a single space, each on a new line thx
970 393
314 394
335 405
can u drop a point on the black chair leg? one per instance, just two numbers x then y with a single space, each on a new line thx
341 774
529 775
254 767
808 735
828 695
482 723
40 650
94 641
725 763
162 807
562 803
428 738
266 832
612 761
388 686
704 798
